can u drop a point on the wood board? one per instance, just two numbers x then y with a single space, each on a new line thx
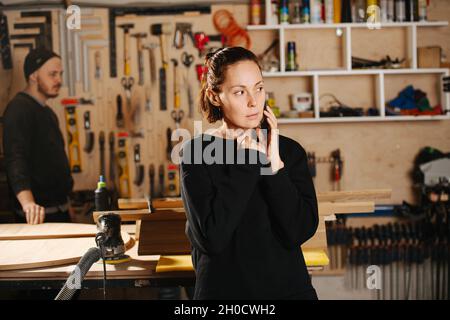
48 252
21 231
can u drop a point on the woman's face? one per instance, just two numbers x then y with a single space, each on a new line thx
243 95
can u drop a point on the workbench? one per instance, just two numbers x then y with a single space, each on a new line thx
141 270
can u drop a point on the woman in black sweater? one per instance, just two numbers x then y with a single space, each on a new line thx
246 219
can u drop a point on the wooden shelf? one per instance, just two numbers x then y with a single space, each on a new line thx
345 72
346 25
380 76
360 119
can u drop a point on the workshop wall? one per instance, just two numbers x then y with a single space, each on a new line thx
376 155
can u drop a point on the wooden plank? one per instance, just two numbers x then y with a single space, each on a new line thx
135 215
125 215
141 267
329 208
46 231
157 203
375 194
40 253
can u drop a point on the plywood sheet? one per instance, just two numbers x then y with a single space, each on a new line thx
21 231
38 253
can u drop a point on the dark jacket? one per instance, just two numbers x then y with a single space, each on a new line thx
35 158
246 228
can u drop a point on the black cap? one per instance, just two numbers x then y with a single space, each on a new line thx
36 59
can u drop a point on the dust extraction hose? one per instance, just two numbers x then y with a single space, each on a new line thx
73 283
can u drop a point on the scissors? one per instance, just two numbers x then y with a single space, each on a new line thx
187 59
177 116
127 82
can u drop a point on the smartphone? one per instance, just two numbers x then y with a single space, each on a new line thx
265 124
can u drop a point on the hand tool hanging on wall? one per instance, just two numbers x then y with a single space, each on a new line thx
90 139
151 176
162 29
97 61
187 60
5 49
139 36
126 46
172 182
173 178
161 180
139 174
120 123
268 59
148 99
65 36
72 134
112 183
88 44
201 40
337 169
169 144
143 11
28 45
182 31
44 36
48 43
101 143
151 61
129 111
41 40
176 114
201 70
122 158
78 47
312 164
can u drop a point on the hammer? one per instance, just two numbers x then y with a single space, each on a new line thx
126 59
139 36
151 60
161 29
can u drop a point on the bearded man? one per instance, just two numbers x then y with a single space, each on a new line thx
36 163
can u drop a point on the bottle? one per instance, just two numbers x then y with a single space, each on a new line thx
315 9
255 12
360 10
337 11
306 12
329 9
346 11
422 10
390 11
284 12
291 57
273 14
102 202
384 10
296 12
400 11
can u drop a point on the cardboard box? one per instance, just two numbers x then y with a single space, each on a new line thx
429 57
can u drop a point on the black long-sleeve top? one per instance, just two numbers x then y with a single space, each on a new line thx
246 228
35 158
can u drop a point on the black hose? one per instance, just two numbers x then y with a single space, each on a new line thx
73 283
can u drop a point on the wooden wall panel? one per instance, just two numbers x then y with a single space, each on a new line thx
376 155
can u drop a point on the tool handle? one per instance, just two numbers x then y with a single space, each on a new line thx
141 67
126 65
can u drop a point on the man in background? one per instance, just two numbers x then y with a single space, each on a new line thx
36 163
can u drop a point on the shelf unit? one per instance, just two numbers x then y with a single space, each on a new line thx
345 29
